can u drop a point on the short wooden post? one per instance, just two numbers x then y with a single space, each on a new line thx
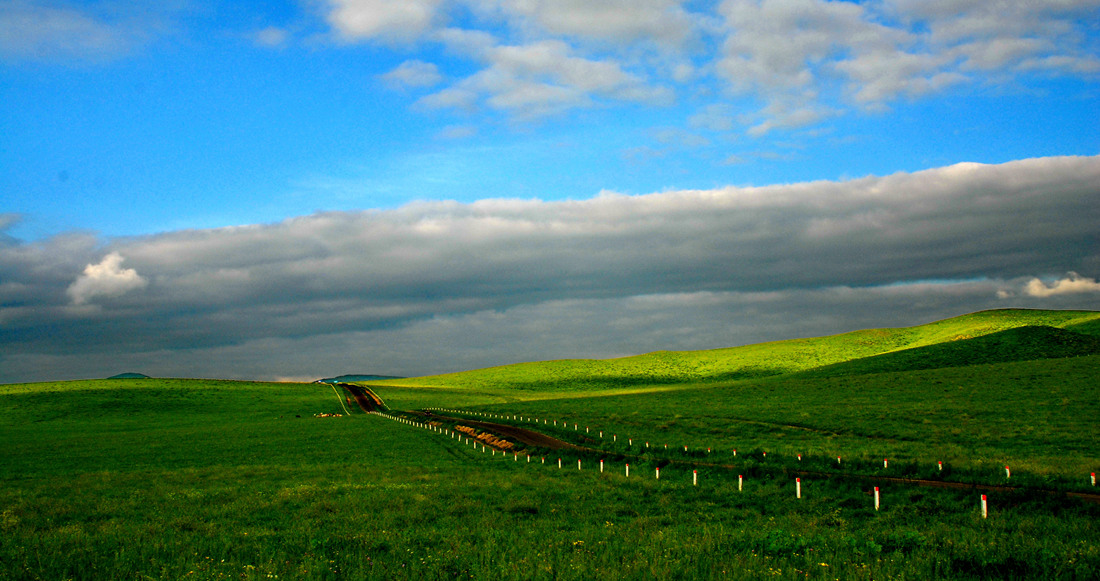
695 478
601 465
1008 473
800 457
985 507
578 463
876 498
884 463
658 473
628 470
740 482
798 488
559 463
940 463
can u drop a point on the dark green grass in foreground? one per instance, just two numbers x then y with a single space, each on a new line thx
208 480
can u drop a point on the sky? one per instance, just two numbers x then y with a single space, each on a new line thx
295 190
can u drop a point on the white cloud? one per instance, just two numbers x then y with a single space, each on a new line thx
814 54
106 279
386 20
543 78
1073 283
664 22
413 73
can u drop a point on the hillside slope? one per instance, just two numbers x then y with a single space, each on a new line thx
750 361
1019 344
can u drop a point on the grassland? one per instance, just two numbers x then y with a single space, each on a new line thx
197 479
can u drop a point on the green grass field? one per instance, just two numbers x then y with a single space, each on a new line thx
200 479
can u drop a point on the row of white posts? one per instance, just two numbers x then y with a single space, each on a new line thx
694 473
885 461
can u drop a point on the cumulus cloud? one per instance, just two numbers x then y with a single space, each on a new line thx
803 60
544 78
385 20
1073 283
105 279
662 21
259 292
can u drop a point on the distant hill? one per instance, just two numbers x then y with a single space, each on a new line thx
356 377
1071 329
129 375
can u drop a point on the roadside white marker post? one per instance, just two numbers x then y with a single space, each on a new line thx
740 482
666 446
515 457
876 498
614 437
940 462
574 427
628 470
586 430
735 452
559 463
884 464
601 466
658 473
1094 479
800 457
630 442
985 507
838 460
544 459
647 444
601 434
578 463
528 458
685 448
1008 473
708 450
695 478
798 488
765 454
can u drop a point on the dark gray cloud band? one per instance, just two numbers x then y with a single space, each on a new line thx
266 291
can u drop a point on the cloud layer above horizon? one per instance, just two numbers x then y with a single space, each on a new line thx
442 286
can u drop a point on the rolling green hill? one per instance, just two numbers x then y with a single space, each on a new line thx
780 357
1019 344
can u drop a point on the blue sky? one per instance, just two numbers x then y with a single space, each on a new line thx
124 126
